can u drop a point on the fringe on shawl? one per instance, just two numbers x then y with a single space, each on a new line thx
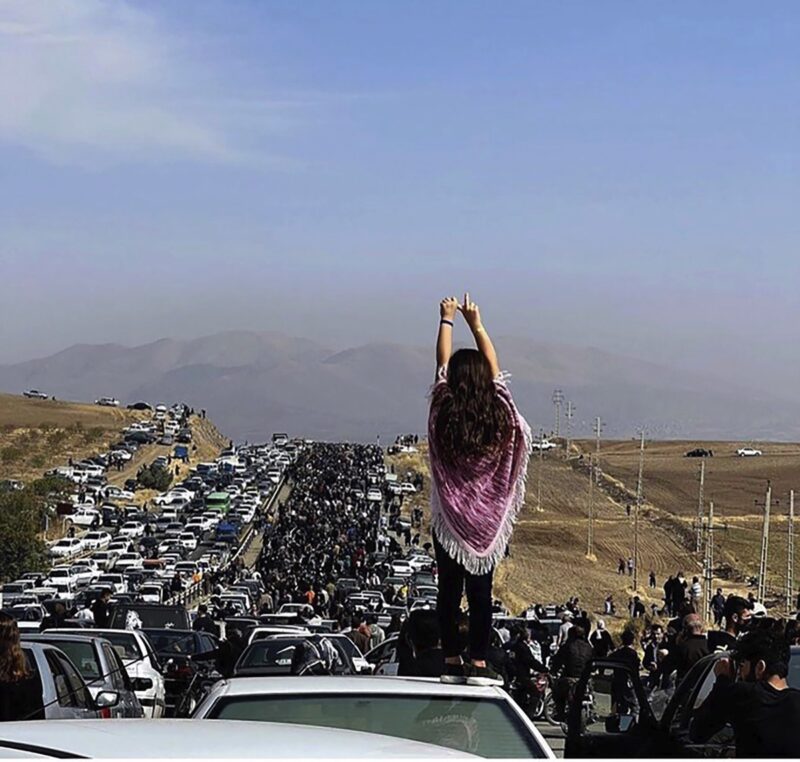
473 563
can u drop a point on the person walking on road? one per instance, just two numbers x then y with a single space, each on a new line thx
479 446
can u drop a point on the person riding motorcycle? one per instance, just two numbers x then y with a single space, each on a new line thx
571 660
527 659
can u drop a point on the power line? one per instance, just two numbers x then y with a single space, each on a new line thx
539 470
597 428
708 561
590 539
636 516
699 536
790 557
762 566
558 399
570 413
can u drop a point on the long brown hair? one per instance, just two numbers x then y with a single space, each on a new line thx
13 666
472 419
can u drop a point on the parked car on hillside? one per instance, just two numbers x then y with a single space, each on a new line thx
35 394
107 402
748 452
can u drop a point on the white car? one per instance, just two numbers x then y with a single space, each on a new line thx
112 492
119 546
35 394
188 739
142 666
407 487
198 524
544 444
96 540
187 540
84 574
129 561
467 719
748 452
420 562
402 568
124 456
374 495
67 547
105 559
61 575
84 517
114 582
132 529
107 402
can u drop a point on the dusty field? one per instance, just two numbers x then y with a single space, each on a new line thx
671 480
671 484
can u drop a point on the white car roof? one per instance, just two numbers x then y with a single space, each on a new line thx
244 686
210 739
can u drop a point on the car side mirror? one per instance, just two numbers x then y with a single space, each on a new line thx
620 723
107 699
142 683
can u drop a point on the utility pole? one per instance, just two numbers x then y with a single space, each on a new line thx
790 557
597 428
699 538
590 538
762 567
636 516
708 562
558 399
539 473
570 412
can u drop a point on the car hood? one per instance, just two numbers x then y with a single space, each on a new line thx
204 739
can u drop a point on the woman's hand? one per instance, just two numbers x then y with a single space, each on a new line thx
448 308
471 313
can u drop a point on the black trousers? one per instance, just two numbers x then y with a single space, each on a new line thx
453 579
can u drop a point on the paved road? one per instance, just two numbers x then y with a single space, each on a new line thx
251 555
553 736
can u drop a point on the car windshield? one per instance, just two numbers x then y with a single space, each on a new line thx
172 642
124 644
270 653
83 656
486 727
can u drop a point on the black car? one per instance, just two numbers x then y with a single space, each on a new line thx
278 655
650 725
699 452
183 678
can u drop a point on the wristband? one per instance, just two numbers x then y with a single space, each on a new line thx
446 322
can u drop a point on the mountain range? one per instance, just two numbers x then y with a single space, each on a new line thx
255 383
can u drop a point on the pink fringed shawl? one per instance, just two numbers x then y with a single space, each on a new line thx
474 505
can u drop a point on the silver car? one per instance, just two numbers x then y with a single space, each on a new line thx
64 692
100 666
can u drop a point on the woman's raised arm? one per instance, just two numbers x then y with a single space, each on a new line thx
444 341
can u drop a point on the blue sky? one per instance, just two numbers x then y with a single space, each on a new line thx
617 174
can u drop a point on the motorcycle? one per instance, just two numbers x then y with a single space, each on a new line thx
588 713
532 697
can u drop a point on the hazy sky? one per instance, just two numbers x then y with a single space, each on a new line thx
617 174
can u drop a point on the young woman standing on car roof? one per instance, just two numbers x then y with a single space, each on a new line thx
479 446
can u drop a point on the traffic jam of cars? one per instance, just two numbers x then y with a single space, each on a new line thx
207 604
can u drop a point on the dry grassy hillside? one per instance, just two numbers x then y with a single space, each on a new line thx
37 435
548 561
671 484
